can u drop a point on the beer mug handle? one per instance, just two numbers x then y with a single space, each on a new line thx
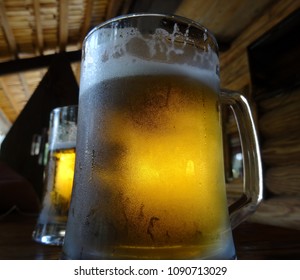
252 179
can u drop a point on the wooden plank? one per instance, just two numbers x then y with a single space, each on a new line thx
280 211
38 24
282 98
8 94
8 31
63 24
281 151
282 121
24 84
6 107
283 180
5 124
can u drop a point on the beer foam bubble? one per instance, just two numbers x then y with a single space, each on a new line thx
116 53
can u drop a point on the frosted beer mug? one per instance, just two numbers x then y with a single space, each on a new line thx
149 175
51 223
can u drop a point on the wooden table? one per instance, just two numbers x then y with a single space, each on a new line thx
253 241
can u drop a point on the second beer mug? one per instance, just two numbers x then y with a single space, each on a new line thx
149 181
59 173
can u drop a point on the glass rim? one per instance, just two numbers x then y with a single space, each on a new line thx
175 18
65 108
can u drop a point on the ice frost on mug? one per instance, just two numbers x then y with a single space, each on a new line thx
59 173
149 180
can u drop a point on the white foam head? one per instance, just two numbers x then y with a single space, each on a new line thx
112 53
63 137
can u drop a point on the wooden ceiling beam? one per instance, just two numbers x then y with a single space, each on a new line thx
25 64
126 6
87 20
63 24
8 33
113 8
38 24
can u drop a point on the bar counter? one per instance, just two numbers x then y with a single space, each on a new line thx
253 241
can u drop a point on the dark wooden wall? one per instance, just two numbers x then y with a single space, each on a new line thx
274 61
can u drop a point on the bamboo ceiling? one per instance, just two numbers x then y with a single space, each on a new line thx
39 28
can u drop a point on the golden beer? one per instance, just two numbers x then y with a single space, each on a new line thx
60 178
58 183
155 171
